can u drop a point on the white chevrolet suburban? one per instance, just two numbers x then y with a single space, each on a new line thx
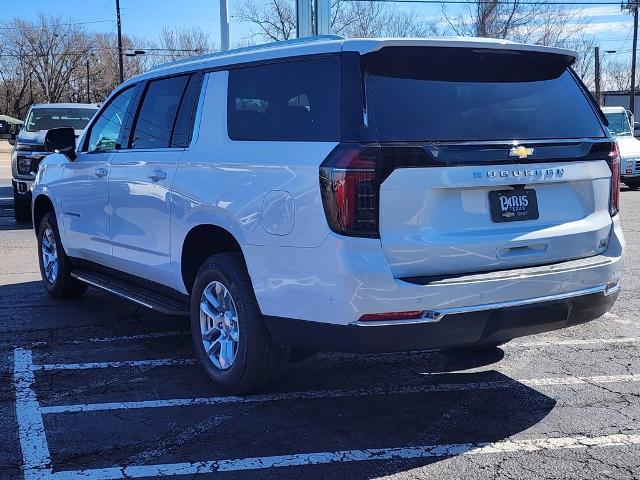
354 195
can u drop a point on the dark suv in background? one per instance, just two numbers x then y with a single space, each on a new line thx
28 150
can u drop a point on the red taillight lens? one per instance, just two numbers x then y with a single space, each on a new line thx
381 317
614 165
350 187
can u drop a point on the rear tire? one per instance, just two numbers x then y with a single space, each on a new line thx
21 209
55 267
230 339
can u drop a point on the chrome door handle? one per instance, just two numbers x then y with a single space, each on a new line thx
156 175
100 172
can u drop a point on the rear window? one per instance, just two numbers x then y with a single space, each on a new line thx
294 101
446 94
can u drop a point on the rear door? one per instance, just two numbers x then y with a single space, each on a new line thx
142 175
492 160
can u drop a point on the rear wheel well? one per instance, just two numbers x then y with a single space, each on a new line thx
199 244
41 205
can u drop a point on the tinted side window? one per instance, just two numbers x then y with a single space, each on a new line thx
182 129
106 129
157 115
296 101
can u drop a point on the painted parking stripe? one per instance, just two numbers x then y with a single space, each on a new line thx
33 441
123 338
163 362
190 361
324 394
350 456
576 342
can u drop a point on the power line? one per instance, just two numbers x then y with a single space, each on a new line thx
57 25
505 2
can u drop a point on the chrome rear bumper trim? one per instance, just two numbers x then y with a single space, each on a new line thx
432 316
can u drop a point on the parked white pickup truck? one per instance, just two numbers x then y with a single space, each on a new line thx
622 125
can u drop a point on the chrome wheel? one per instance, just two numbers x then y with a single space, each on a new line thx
219 326
49 255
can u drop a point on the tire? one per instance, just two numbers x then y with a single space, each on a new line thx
58 283
21 209
250 360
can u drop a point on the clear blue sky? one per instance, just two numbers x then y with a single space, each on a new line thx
145 18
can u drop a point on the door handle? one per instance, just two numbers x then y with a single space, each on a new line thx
100 172
156 175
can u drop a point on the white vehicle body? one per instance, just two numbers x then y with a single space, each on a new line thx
622 125
438 252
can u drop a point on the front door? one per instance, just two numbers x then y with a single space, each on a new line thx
142 175
85 196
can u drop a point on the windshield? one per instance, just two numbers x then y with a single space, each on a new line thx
48 118
618 124
455 94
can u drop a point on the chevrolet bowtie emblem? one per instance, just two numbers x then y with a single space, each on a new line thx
521 152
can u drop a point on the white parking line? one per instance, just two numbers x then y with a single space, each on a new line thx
323 394
576 342
163 362
350 456
140 336
35 450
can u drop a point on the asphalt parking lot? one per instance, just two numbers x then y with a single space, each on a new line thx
97 388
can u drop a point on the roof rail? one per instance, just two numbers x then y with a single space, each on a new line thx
262 46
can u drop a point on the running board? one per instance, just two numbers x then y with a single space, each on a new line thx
142 296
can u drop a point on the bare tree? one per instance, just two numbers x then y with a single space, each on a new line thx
274 21
50 50
277 21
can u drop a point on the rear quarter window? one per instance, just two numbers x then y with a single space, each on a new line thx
296 100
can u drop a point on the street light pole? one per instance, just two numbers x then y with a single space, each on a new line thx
632 6
597 76
119 41
88 83
224 25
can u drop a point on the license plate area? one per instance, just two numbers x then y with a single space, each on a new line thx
513 205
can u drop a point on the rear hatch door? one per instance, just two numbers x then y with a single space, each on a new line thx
491 160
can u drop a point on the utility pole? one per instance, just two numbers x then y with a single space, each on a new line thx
119 41
597 76
224 25
88 83
632 6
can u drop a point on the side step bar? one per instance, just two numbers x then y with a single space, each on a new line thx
134 293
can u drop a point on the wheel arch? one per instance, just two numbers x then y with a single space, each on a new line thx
200 243
41 205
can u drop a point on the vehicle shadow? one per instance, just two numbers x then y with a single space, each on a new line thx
7 221
436 404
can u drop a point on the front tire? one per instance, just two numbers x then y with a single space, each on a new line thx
21 209
230 339
55 267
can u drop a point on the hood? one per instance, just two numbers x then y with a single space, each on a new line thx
37 138
629 146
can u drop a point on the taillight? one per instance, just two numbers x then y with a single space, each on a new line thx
350 188
614 165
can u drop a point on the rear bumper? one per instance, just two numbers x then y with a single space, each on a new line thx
484 327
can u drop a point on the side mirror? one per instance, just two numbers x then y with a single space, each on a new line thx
61 140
